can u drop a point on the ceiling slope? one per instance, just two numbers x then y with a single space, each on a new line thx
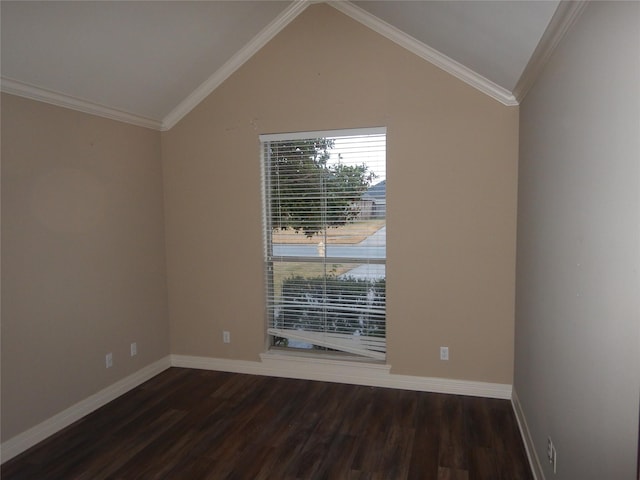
494 39
119 59
134 60
424 51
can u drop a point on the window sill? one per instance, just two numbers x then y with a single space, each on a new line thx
325 367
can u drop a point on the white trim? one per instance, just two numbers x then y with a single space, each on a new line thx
564 17
345 132
427 53
532 455
271 364
341 371
15 87
236 61
29 438
371 347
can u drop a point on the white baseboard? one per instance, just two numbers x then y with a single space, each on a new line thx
29 438
271 364
534 461
340 371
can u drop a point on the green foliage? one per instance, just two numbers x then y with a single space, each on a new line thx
306 193
338 305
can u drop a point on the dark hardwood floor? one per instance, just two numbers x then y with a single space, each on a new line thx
197 424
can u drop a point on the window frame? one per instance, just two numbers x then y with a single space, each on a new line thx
378 351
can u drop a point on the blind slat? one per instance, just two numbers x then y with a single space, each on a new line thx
326 290
345 343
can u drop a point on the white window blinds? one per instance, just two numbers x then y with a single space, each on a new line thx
325 240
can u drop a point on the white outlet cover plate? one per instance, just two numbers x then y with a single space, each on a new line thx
444 353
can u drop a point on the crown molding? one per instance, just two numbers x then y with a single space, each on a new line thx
563 19
425 52
235 62
32 92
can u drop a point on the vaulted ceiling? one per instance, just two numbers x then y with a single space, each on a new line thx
150 62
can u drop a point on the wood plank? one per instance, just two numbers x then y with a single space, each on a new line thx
197 424
426 445
453 439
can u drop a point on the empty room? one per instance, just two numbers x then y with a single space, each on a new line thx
201 201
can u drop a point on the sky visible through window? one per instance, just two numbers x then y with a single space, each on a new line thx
357 150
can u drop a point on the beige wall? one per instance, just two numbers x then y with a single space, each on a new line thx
452 166
83 246
83 269
577 360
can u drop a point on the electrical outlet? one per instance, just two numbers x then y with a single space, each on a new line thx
444 353
134 349
109 360
226 336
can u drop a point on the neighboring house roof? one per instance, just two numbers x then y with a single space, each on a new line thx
376 192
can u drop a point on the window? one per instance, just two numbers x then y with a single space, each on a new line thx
325 240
